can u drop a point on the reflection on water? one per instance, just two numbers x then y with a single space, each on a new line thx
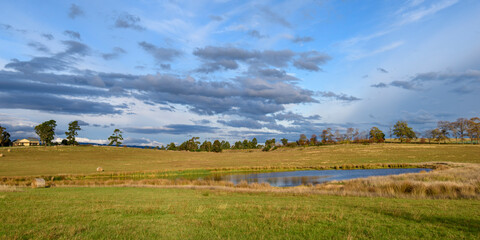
296 178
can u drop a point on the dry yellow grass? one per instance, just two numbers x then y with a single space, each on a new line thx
85 160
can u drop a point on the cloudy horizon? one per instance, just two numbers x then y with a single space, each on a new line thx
165 71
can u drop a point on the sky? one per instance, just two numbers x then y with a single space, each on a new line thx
165 71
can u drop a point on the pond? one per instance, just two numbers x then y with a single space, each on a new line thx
297 178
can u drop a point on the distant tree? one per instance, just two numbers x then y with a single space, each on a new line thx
313 140
225 145
376 135
246 144
4 137
339 137
437 135
116 138
190 145
171 146
403 132
46 131
429 135
303 140
73 127
326 135
206 146
349 134
462 126
253 143
453 128
217 146
238 145
473 129
64 142
356 135
444 128
284 141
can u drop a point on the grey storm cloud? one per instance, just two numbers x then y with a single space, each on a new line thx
82 123
159 53
245 123
75 11
271 74
127 20
382 70
38 64
274 17
58 62
56 104
48 36
72 34
302 39
256 34
39 47
227 58
174 129
311 60
338 96
379 85
408 85
116 52
457 77
470 79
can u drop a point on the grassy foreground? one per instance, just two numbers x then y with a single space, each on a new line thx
29 161
152 213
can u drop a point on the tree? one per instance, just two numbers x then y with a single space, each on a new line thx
253 143
4 137
284 141
116 138
46 131
303 140
376 135
190 145
217 146
206 146
313 140
73 127
225 145
437 135
444 127
326 135
349 134
403 132
473 129
462 126
338 136
171 146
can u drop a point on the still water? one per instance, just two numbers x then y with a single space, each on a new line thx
296 178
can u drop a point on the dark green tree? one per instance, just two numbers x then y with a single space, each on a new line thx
217 146
403 132
73 127
171 146
284 141
46 132
253 143
4 137
225 145
116 138
376 135
206 146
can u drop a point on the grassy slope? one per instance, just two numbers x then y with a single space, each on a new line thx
149 213
84 160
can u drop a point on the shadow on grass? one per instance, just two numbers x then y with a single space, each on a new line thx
463 224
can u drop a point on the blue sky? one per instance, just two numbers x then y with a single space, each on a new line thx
164 71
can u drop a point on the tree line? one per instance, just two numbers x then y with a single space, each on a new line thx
459 129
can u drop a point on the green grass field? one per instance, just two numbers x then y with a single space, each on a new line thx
150 213
185 212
